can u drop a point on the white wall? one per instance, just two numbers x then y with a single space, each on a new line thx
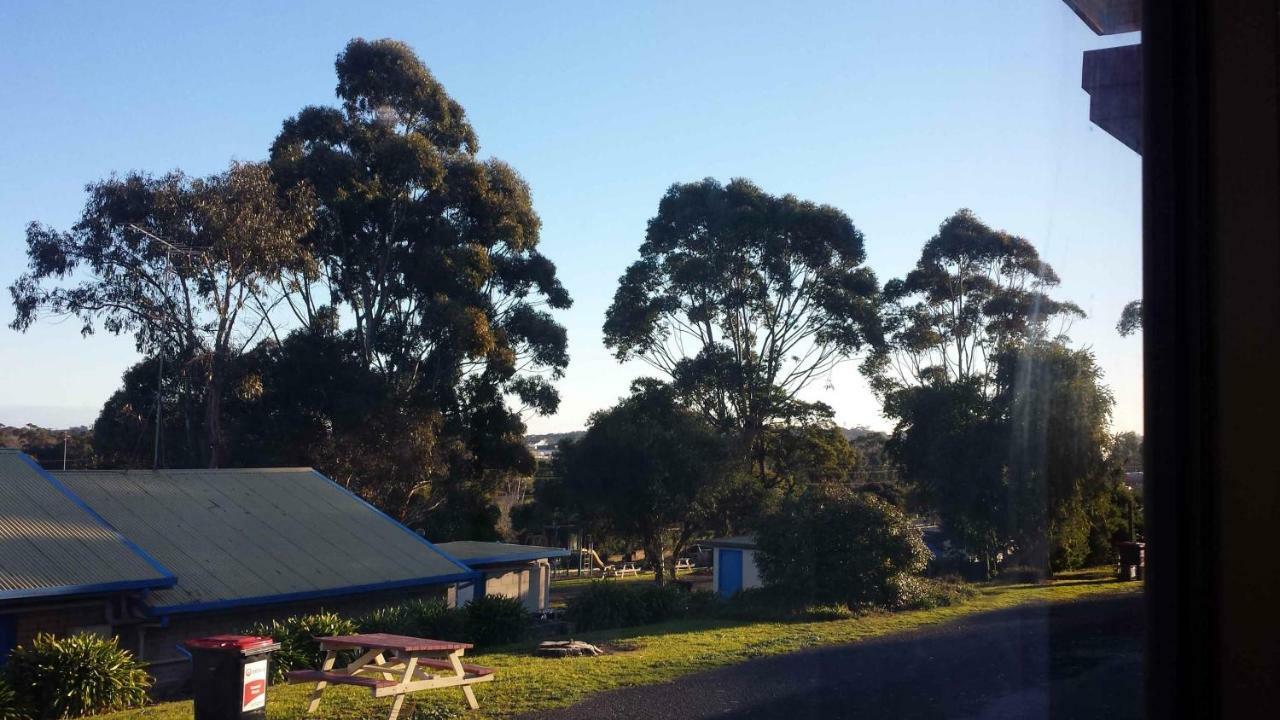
528 583
750 571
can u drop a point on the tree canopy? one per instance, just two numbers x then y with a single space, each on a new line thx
743 299
649 468
182 264
974 292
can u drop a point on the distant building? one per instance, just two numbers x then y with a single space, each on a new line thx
733 563
542 449
515 571
157 557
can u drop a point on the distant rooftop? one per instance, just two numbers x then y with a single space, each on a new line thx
475 552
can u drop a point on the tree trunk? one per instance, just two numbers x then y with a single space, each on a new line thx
213 413
654 549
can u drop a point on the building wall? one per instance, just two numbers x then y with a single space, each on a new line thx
57 618
158 645
528 582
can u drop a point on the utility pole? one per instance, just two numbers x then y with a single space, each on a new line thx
155 460
64 450
168 268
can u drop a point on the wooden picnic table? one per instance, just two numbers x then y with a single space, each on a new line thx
393 666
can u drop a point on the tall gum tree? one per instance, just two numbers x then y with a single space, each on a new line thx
430 251
182 264
743 299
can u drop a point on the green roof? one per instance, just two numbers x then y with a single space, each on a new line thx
238 537
53 544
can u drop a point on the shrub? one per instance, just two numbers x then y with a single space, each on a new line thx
10 707
910 592
831 546
418 618
76 676
496 620
772 602
296 635
606 604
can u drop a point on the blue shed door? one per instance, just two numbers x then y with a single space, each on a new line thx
730 572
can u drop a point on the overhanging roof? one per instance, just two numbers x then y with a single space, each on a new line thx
52 544
236 537
1109 17
477 553
744 542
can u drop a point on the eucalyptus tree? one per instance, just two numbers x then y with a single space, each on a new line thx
743 299
430 252
999 425
974 292
1130 319
182 264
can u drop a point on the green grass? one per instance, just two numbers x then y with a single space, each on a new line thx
657 653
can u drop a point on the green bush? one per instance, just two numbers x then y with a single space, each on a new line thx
296 635
832 546
605 604
496 620
910 592
76 676
10 707
772 602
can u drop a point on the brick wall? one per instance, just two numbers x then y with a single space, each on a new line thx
59 619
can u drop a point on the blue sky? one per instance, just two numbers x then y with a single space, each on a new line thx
898 112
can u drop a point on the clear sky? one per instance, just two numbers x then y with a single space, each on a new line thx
899 112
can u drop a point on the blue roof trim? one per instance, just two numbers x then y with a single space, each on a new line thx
64 590
310 594
519 556
397 523
168 579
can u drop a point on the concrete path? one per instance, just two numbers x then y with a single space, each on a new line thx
1074 660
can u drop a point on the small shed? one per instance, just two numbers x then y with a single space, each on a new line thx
515 571
733 564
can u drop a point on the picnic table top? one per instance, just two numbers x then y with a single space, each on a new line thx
386 641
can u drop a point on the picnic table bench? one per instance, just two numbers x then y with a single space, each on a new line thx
626 568
684 563
393 666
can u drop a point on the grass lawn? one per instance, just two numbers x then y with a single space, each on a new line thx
654 654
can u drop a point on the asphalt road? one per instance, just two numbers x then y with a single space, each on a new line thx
1074 660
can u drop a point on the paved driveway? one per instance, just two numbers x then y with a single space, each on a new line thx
1075 660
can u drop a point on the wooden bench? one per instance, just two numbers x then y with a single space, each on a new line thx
393 666
339 678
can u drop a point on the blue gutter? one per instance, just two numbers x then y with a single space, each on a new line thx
470 575
166 580
110 587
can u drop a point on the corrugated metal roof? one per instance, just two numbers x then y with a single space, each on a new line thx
254 536
476 552
51 544
746 542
